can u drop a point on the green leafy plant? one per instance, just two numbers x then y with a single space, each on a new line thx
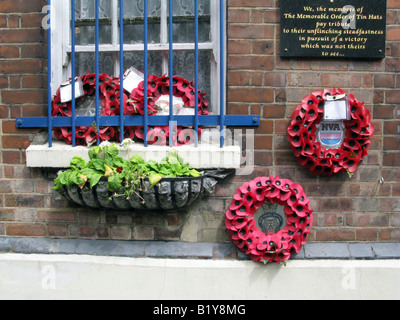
105 162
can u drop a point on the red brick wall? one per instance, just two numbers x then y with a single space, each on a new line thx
259 82
22 77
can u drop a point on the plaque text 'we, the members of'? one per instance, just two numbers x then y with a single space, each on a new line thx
338 28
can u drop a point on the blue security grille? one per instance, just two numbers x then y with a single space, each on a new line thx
122 121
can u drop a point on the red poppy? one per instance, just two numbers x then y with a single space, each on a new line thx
129 133
351 164
63 134
91 135
107 133
60 109
312 113
257 194
231 214
139 132
241 223
295 129
80 136
182 85
111 109
152 84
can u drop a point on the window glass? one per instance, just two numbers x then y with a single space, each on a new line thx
86 62
183 29
184 67
133 21
85 22
135 59
183 21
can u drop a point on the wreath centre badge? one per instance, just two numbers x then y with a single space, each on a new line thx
270 218
331 134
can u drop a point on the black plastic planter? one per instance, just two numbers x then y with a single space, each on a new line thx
168 194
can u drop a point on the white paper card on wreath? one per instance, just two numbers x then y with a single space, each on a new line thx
66 90
162 105
132 79
336 108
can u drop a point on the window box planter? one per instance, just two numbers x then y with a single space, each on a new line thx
134 184
168 194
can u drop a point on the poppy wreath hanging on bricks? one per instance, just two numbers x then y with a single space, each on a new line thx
310 153
275 247
109 96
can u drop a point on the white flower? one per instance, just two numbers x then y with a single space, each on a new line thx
127 142
105 144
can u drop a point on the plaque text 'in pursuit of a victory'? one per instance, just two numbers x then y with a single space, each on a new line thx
333 28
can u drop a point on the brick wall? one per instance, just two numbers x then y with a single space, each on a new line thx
22 82
259 82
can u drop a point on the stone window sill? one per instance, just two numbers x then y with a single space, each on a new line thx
206 156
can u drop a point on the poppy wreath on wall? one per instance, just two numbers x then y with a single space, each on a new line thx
270 246
353 136
109 96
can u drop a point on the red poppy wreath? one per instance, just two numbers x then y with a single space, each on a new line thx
159 86
110 106
308 132
109 96
269 246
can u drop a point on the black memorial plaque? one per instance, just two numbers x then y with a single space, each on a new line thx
333 28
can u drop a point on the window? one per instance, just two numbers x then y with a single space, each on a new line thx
106 44
158 40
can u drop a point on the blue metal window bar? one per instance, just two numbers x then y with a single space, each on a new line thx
222 120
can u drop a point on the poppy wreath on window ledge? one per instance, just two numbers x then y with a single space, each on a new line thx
268 247
159 86
304 135
109 96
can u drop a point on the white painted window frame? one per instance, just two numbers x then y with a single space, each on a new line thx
61 46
